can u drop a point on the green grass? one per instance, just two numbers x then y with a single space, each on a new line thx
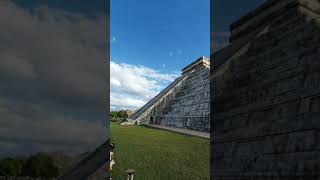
159 155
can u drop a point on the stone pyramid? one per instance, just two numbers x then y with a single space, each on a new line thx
184 103
266 88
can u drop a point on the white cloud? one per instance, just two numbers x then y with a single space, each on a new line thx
132 86
124 101
113 39
48 129
175 52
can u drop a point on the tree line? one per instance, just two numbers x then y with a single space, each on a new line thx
38 165
119 114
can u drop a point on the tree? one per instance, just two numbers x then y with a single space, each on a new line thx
113 114
11 167
123 114
40 165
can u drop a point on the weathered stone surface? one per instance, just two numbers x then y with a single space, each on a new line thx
184 103
265 95
92 167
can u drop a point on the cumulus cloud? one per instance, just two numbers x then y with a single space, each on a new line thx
15 66
58 131
133 85
53 79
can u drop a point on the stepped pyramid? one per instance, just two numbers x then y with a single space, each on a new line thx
184 103
266 98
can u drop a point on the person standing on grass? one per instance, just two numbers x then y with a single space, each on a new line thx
111 156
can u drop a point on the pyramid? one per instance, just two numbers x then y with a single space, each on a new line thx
265 101
184 103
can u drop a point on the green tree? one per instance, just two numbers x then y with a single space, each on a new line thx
11 167
113 114
40 165
123 114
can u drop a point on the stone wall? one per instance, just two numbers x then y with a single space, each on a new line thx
184 103
92 167
190 106
266 95
158 102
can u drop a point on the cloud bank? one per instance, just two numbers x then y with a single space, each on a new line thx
133 85
53 78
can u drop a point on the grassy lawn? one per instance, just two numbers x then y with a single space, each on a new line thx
159 155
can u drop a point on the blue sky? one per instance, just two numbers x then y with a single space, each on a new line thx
151 41
227 11
159 33
157 38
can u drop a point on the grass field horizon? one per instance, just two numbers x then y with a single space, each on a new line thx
159 155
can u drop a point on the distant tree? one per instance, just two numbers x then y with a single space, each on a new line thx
113 114
40 165
123 114
11 167
118 114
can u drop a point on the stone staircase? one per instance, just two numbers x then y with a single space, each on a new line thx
184 103
189 107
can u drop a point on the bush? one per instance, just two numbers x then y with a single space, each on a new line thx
118 114
123 120
11 167
115 120
40 165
